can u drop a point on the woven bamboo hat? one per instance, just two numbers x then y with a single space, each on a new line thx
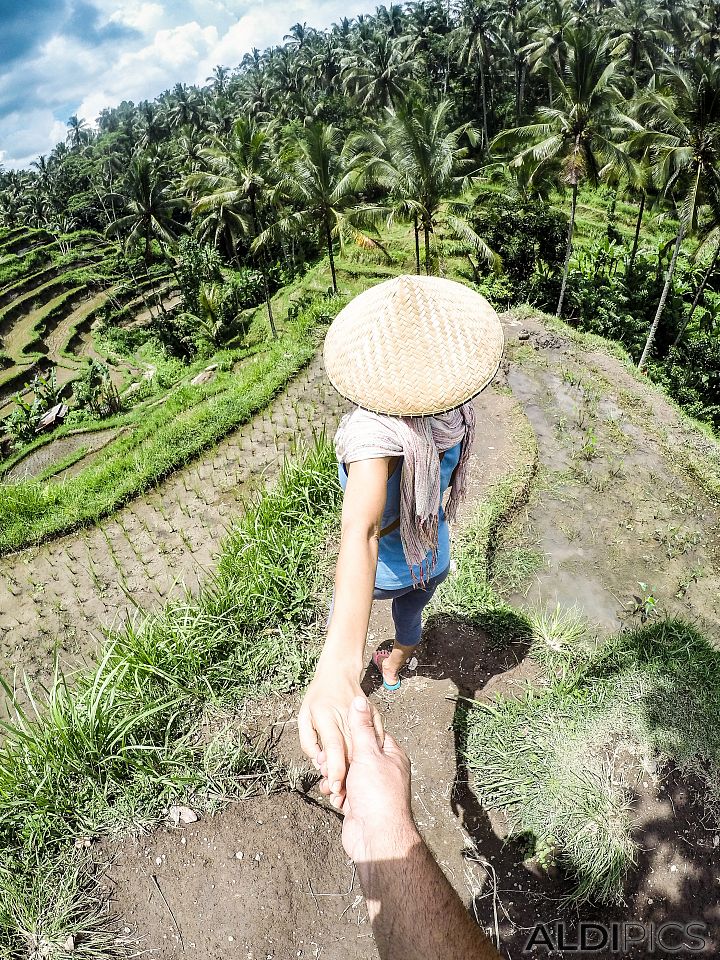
413 346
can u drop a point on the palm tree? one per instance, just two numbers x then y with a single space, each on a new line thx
419 162
683 136
325 63
706 30
637 34
580 133
150 205
78 131
548 49
426 38
183 107
233 189
711 240
377 76
299 36
219 80
391 19
210 321
480 30
318 187
36 209
516 22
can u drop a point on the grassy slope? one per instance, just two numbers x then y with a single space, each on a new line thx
654 692
549 758
184 426
160 718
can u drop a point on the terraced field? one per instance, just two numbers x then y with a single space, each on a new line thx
60 597
52 292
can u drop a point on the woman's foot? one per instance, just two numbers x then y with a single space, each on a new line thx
390 663
391 680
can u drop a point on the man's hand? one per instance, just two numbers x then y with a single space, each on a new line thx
414 912
325 736
378 819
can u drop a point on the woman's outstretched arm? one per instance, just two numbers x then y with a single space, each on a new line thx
322 721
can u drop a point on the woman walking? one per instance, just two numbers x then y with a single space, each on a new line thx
411 353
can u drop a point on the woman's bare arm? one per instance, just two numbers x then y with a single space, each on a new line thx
322 721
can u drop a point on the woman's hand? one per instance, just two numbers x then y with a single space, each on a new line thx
323 726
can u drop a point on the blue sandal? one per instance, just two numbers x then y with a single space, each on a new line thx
377 658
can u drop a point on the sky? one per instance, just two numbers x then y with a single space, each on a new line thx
64 57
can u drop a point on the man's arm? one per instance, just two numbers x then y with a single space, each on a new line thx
414 911
322 719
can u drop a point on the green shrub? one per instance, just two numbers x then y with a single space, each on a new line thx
529 236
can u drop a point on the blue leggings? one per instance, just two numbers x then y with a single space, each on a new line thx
408 604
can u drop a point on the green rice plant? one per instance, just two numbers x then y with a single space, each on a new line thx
589 449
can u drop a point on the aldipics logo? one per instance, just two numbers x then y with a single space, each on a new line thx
590 937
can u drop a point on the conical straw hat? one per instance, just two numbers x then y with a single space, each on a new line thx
413 346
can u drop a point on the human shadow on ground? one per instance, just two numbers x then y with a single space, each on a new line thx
475 656
675 878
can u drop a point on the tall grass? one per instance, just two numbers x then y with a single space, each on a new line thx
557 760
116 744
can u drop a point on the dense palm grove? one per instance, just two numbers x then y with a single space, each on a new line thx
482 126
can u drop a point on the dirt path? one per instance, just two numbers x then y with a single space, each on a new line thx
59 597
613 505
293 892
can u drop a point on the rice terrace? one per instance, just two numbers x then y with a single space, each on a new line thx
171 522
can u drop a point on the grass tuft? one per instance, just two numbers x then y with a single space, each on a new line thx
559 761
558 634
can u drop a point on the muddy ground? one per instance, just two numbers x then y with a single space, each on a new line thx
615 504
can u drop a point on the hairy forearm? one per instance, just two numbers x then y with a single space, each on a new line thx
354 583
414 911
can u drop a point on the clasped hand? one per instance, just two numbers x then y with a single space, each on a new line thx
325 735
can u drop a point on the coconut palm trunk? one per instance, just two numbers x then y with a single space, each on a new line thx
519 88
663 298
263 268
328 240
426 230
417 243
483 97
698 295
636 238
568 249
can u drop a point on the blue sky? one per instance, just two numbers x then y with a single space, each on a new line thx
59 57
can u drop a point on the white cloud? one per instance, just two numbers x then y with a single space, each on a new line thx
144 17
141 74
33 133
